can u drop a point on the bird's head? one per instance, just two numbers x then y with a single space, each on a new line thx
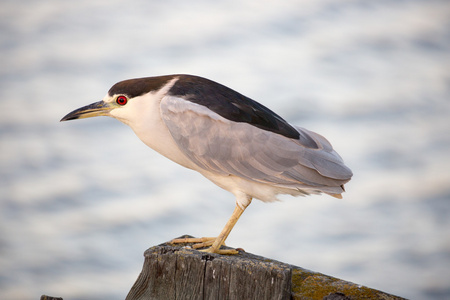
109 106
127 99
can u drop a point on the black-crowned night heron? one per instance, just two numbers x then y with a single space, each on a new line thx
235 142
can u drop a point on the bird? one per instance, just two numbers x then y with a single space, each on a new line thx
237 143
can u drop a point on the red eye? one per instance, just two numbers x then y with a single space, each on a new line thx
121 100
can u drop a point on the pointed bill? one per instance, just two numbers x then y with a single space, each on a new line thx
100 108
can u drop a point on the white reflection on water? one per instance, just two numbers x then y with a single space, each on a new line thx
81 201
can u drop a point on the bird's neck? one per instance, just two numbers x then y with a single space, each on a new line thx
152 130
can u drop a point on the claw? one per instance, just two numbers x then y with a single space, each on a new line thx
221 251
215 242
202 243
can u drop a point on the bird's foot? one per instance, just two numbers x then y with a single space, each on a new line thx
204 242
221 251
198 242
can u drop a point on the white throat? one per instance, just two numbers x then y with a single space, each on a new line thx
147 124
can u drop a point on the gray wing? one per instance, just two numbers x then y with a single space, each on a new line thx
219 145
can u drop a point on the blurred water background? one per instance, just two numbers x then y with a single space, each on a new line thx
81 201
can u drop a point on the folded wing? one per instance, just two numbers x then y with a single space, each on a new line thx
219 145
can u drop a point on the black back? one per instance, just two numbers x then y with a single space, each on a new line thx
231 104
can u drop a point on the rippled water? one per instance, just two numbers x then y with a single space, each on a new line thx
81 201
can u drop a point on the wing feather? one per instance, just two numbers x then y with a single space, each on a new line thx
219 145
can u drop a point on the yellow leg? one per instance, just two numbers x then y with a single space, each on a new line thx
217 242
220 240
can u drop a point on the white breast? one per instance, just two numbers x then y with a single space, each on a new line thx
147 124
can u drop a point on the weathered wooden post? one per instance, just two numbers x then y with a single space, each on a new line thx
177 272
45 297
